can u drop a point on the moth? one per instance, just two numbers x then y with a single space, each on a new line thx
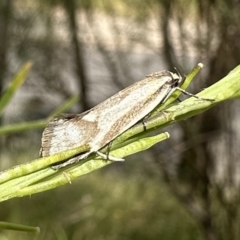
100 125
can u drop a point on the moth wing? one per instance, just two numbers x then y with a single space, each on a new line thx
62 133
128 107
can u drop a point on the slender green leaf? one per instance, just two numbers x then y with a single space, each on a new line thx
15 84
38 124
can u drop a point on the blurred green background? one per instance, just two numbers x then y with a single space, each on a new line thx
184 188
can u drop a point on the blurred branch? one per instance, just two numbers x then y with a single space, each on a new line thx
5 8
168 50
78 53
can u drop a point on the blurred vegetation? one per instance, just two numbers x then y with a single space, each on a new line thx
185 188
104 205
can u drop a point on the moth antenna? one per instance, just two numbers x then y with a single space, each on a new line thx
180 72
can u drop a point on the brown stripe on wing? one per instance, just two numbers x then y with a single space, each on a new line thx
117 128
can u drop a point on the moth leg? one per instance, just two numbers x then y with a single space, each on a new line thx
64 164
109 157
109 148
71 161
78 158
144 125
143 122
192 95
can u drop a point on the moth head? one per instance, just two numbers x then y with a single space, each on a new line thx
178 78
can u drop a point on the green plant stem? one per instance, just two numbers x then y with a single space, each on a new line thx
19 227
22 186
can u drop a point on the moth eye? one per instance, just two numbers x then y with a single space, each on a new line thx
175 82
